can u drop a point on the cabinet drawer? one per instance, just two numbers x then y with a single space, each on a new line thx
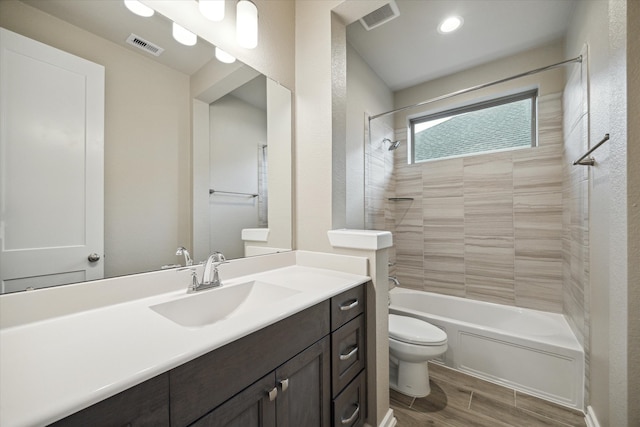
346 306
349 408
347 353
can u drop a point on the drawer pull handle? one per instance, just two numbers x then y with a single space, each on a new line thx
349 305
348 356
273 394
284 384
352 417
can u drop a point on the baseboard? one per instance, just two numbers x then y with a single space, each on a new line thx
389 420
590 418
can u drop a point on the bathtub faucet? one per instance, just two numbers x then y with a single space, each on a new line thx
395 280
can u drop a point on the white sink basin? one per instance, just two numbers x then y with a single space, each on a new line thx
209 306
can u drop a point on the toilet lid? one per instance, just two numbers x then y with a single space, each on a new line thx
415 331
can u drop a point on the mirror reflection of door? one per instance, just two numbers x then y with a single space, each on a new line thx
51 166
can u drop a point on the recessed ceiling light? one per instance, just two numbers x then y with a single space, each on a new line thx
138 8
450 24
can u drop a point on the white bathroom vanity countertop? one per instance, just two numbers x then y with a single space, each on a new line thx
55 366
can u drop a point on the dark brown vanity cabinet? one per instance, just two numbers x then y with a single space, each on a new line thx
296 394
146 404
202 385
306 370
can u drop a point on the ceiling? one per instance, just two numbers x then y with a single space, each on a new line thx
409 50
111 20
403 52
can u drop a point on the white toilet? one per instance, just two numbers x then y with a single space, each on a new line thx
412 342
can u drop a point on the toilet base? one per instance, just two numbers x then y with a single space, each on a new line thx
410 379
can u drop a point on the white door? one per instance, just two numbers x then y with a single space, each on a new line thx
51 165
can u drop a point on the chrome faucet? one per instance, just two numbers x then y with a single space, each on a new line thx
210 276
187 258
395 280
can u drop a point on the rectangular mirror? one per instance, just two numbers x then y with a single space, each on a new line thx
160 156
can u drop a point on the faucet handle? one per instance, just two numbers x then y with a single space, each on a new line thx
187 258
218 258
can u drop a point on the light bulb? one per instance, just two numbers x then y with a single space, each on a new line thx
138 8
212 9
223 56
247 24
450 24
184 36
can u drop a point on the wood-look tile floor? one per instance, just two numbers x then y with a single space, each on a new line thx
460 400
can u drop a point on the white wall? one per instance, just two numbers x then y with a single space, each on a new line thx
316 77
313 155
366 95
610 29
633 207
237 130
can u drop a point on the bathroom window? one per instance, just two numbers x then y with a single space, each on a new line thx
497 125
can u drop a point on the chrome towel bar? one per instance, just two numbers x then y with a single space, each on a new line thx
212 191
583 161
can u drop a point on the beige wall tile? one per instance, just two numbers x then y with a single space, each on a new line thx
489 269
496 227
489 214
488 173
537 170
550 120
538 283
442 178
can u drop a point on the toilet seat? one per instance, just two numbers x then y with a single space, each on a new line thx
415 331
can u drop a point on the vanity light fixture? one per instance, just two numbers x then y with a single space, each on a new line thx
184 36
247 24
138 8
450 24
213 10
223 56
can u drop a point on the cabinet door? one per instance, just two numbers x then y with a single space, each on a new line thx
255 406
304 388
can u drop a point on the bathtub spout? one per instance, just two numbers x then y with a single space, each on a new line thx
395 280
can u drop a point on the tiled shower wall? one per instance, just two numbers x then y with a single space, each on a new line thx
575 190
486 227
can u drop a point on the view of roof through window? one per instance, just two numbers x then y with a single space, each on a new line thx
499 125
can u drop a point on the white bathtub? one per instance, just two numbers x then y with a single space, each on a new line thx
531 351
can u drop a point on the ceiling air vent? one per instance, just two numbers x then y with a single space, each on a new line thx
145 45
380 16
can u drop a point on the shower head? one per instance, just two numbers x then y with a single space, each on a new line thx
392 144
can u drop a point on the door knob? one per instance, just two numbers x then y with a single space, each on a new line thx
94 257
